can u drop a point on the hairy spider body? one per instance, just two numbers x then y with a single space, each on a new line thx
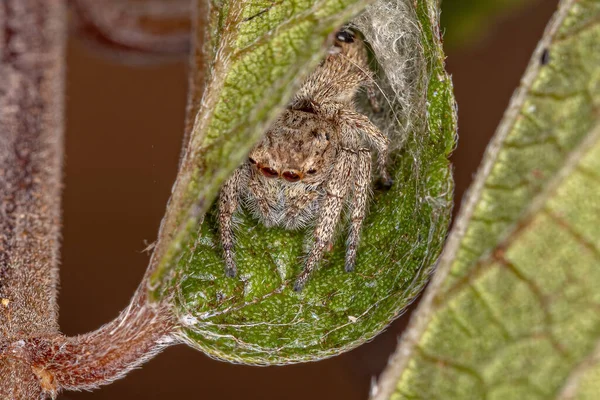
314 160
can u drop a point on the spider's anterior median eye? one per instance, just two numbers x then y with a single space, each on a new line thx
291 176
269 172
311 171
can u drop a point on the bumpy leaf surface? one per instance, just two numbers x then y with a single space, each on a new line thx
514 309
258 50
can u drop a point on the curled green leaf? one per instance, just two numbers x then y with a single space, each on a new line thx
257 317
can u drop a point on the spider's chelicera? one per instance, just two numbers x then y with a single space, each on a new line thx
314 160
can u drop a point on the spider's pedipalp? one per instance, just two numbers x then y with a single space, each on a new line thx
263 203
299 202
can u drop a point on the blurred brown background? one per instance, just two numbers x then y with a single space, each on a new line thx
123 140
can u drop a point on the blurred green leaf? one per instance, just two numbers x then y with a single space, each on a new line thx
513 310
257 317
584 381
588 386
468 21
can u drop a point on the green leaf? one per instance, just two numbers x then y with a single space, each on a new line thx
514 307
257 317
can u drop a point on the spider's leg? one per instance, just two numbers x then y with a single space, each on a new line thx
228 204
337 188
353 121
372 96
362 185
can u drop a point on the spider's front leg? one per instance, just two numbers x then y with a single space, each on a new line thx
336 190
229 200
361 186
372 96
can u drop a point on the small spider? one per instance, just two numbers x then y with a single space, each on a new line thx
314 159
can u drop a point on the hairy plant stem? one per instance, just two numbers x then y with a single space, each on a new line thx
32 36
97 358
36 361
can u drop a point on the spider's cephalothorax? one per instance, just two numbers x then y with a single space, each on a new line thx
313 160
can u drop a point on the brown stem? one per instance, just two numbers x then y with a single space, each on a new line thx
100 357
32 37
36 361
55 362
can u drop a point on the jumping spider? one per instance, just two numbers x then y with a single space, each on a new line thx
313 160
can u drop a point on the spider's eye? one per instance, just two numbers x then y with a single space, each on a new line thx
345 36
311 171
252 160
269 172
291 176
